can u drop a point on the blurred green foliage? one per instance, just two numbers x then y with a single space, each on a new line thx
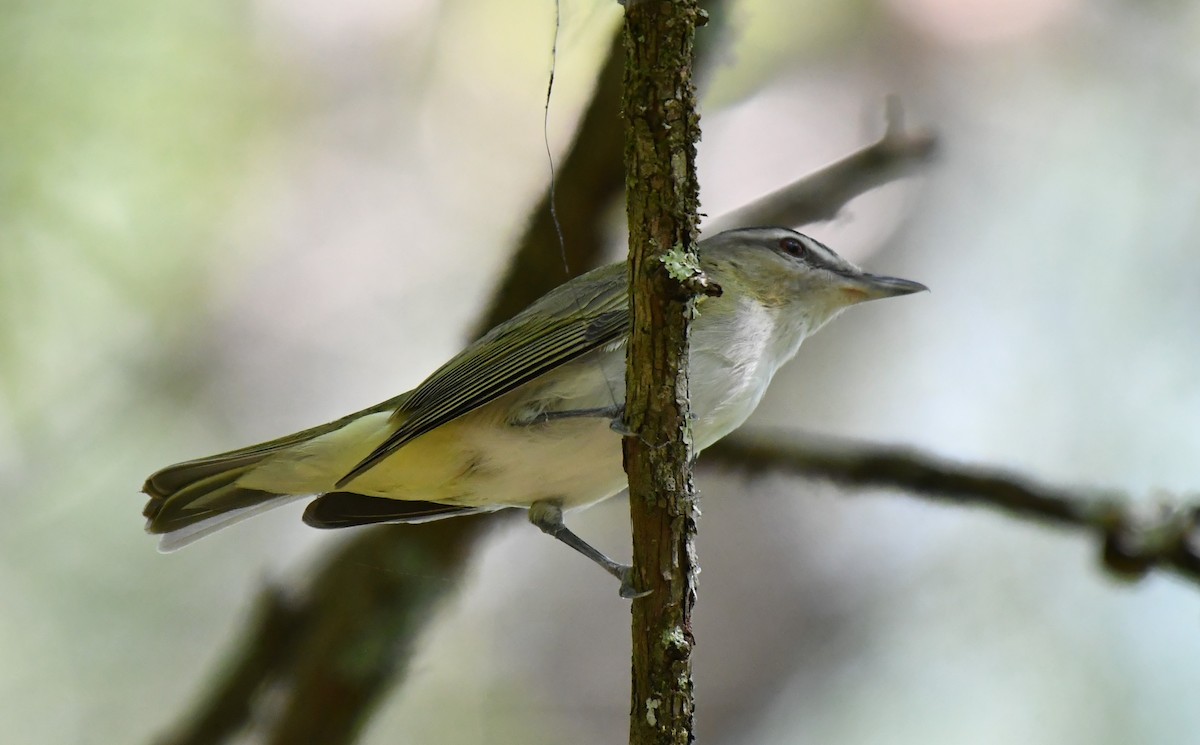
125 128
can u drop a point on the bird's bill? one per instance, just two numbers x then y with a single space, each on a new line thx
863 287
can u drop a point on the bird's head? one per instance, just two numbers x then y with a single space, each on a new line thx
786 270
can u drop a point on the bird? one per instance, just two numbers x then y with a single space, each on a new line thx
530 414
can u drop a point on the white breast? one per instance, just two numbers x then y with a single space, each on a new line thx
734 357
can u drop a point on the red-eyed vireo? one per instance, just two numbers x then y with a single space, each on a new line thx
523 417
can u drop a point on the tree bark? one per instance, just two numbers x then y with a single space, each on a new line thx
661 130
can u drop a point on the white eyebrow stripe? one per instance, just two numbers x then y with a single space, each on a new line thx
826 255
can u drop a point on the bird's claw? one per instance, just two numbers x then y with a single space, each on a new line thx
628 591
618 425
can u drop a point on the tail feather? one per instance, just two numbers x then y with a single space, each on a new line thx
169 504
182 476
189 500
256 503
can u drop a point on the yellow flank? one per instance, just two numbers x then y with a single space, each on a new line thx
467 462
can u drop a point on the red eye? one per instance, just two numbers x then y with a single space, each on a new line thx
793 247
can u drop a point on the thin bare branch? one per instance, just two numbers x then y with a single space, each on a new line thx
821 195
1134 538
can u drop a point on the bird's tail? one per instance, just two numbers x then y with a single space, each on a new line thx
189 500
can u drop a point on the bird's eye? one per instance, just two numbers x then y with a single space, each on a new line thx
793 247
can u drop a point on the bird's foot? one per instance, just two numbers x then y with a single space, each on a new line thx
628 590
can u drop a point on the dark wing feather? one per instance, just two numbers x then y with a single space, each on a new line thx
347 509
578 317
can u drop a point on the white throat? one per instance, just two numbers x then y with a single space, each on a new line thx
734 356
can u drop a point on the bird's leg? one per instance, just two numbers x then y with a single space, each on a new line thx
615 414
548 517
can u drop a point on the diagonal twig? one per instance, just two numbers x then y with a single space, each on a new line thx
822 194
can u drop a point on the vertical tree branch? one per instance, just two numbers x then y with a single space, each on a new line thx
661 131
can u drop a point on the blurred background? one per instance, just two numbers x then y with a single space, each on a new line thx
224 221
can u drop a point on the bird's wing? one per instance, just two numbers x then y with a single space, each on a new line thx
572 320
340 509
